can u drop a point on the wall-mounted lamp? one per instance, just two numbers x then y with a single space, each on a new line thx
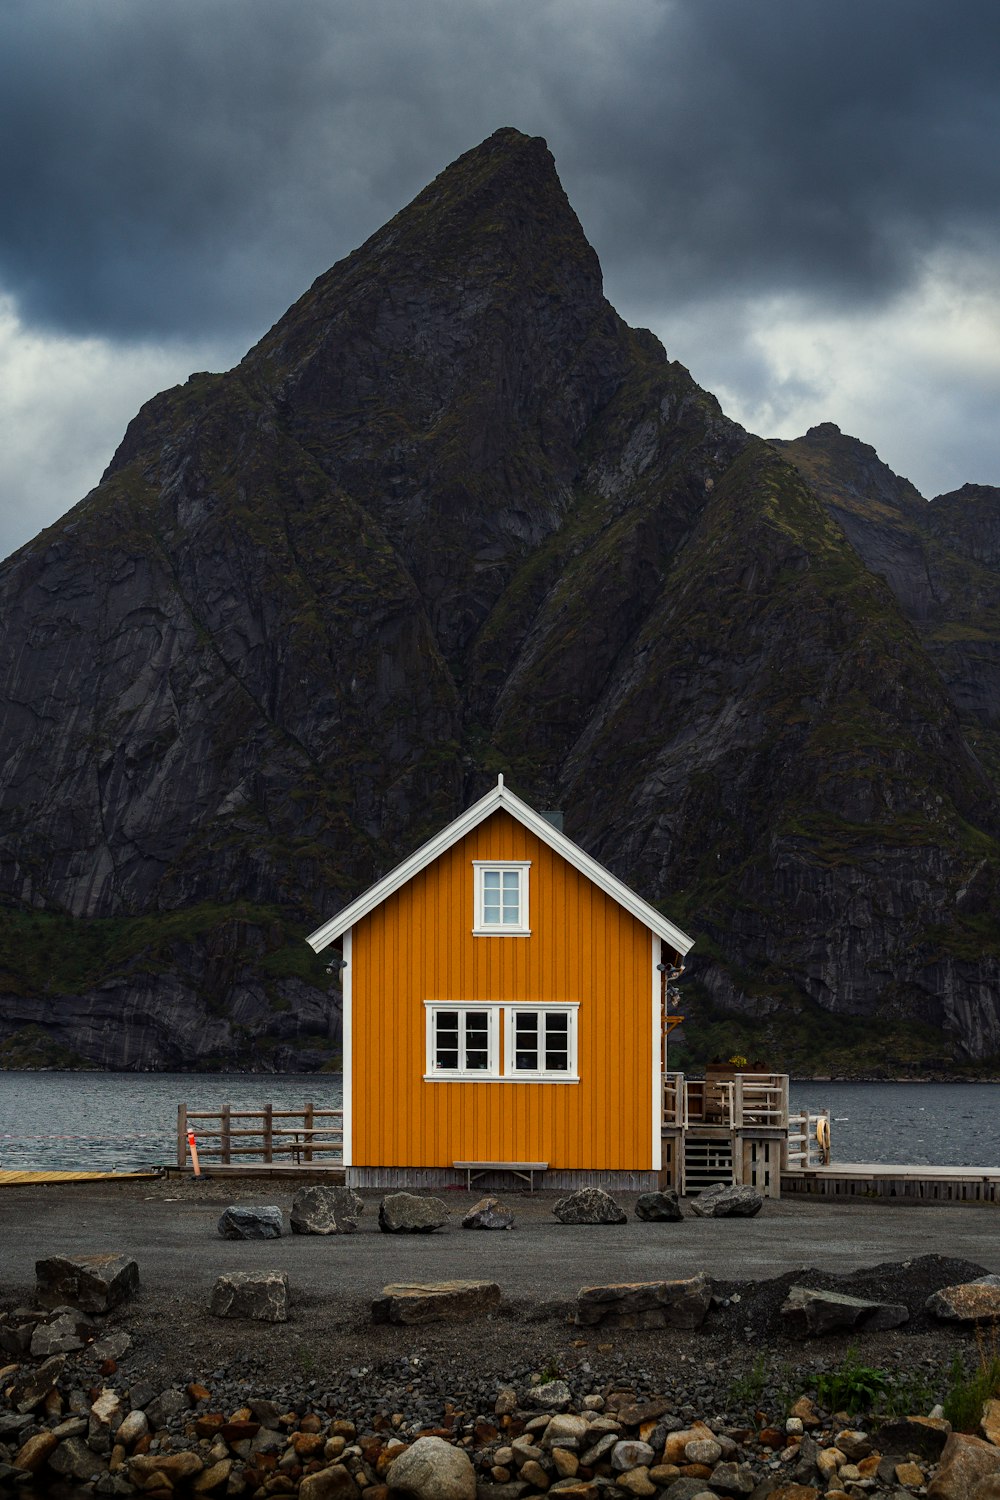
336 964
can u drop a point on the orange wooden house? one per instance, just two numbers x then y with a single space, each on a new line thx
503 1011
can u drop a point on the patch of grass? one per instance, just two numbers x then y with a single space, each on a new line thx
852 1386
968 1393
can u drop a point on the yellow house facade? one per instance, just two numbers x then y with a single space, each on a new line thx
502 1009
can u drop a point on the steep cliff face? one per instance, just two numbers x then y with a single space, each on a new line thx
451 516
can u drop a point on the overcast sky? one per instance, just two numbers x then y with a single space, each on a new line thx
800 197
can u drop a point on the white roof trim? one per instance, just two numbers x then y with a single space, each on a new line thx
496 799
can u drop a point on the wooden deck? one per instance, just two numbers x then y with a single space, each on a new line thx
899 1181
20 1179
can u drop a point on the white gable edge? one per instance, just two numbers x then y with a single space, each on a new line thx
500 797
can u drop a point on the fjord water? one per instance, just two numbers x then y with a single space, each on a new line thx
101 1121
121 1121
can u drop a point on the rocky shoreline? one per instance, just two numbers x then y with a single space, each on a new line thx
151 1394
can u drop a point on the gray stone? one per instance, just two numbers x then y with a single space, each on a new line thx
37 1383
115 1346
551 1395
646 1304
727 1201
662 1207
326 1210
406 1213
600 1449
93 1283
969 1302
260 1295
435 1301
488 1213
733 1479
432 1469
164 1406
62 1335
630 1453
74 1460
251 1221
589 1206
808 1313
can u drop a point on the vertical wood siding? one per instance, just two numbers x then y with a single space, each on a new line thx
418 946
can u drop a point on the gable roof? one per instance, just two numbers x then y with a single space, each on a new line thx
499 798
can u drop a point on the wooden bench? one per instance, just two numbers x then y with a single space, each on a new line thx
524 1169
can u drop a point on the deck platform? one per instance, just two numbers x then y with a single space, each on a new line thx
895 1181
22 1179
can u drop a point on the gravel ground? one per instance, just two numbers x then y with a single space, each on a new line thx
330 1353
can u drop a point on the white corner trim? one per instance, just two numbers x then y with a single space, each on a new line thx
347 1042
501 797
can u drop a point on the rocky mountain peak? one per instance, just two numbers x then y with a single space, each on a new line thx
452 516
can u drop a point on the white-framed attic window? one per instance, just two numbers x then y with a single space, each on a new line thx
501 898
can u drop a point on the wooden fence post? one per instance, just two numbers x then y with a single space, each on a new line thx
182 1134
269 1132
227 1135
310 1122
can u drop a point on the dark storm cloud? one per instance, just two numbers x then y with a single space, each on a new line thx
187 168
799 147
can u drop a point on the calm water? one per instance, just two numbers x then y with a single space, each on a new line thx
105 1120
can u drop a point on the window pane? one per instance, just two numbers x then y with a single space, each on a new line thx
491 910
477 1040
446 1039
556 1058
491 880
511 881
526 1040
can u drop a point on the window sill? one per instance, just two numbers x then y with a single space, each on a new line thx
501 1078
501 931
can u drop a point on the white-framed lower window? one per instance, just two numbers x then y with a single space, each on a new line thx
541 1042
463 1041
501 898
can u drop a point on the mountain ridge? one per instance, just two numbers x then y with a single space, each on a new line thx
452 516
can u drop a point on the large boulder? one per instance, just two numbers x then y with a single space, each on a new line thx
251 1221
727 1201
435 1301
261 1295
646 1304
406 1213
326 1210
659 1208
94 1283
925 1436
965 1466
432 1469
488 1213
809 1313
969 1302
589 1205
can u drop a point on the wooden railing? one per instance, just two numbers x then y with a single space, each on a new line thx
301 1135
808 1140
736 1103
